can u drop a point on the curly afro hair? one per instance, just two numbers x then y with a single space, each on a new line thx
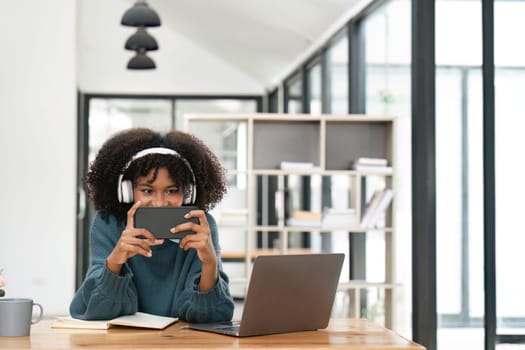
101 180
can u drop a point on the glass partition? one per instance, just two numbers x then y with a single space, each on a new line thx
314 93
509 57
337 75
110 115
387 33
294 95
459 174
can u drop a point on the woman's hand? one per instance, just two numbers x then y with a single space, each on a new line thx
132 241
202 242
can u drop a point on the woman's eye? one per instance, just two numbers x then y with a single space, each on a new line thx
146 191
172 191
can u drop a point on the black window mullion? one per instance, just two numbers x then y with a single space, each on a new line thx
305 91
356 67
286 97
356 89
489 221
83 223
424 304
173 116
325 83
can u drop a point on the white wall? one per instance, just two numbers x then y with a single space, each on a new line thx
38 157
47 54
183 66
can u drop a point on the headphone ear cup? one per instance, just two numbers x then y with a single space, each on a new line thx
190 199
193 194
126 190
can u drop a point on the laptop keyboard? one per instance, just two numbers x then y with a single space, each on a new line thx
228 325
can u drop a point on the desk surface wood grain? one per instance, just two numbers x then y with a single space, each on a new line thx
357 334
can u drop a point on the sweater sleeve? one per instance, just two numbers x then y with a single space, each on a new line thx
213 305
104 295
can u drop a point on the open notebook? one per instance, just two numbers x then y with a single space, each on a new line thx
286 293
139 319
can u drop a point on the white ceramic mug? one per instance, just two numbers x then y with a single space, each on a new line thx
16 316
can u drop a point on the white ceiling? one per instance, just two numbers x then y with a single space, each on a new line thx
264 38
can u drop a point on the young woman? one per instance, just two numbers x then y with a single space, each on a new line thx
131 270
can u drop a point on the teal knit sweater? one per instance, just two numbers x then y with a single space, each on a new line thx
165 284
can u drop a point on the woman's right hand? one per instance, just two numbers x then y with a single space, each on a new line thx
132 241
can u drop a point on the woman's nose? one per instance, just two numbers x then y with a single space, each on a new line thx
160 200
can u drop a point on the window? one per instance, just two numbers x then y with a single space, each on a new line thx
110 115
459 174
337 75
314 86
388 92
294 95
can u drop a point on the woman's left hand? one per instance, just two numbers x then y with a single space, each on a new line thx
202 242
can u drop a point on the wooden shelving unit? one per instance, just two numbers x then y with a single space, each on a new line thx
261 194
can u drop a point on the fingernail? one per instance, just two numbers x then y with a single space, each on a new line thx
150 253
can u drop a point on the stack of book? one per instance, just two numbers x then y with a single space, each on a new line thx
303 166
305 218
374 165
339 217
376 207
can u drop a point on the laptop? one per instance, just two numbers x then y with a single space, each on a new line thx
286 293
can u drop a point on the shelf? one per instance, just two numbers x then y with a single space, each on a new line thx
343 285
321 229
317 171
359 284
241 256
276 117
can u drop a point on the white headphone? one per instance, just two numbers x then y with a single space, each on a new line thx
125 188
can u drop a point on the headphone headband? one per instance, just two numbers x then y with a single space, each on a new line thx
125 188
147 151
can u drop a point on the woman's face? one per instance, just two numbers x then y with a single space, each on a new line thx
161 192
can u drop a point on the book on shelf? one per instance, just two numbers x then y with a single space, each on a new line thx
373 165
304 218
288 165
373 169
338 217
139 320
371 161
306 215
386 199
376 207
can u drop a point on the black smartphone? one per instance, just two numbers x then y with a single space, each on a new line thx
159 220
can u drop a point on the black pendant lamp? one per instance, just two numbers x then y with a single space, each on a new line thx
141 61
141 40
141 15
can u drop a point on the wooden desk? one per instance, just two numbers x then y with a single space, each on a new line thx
357 334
